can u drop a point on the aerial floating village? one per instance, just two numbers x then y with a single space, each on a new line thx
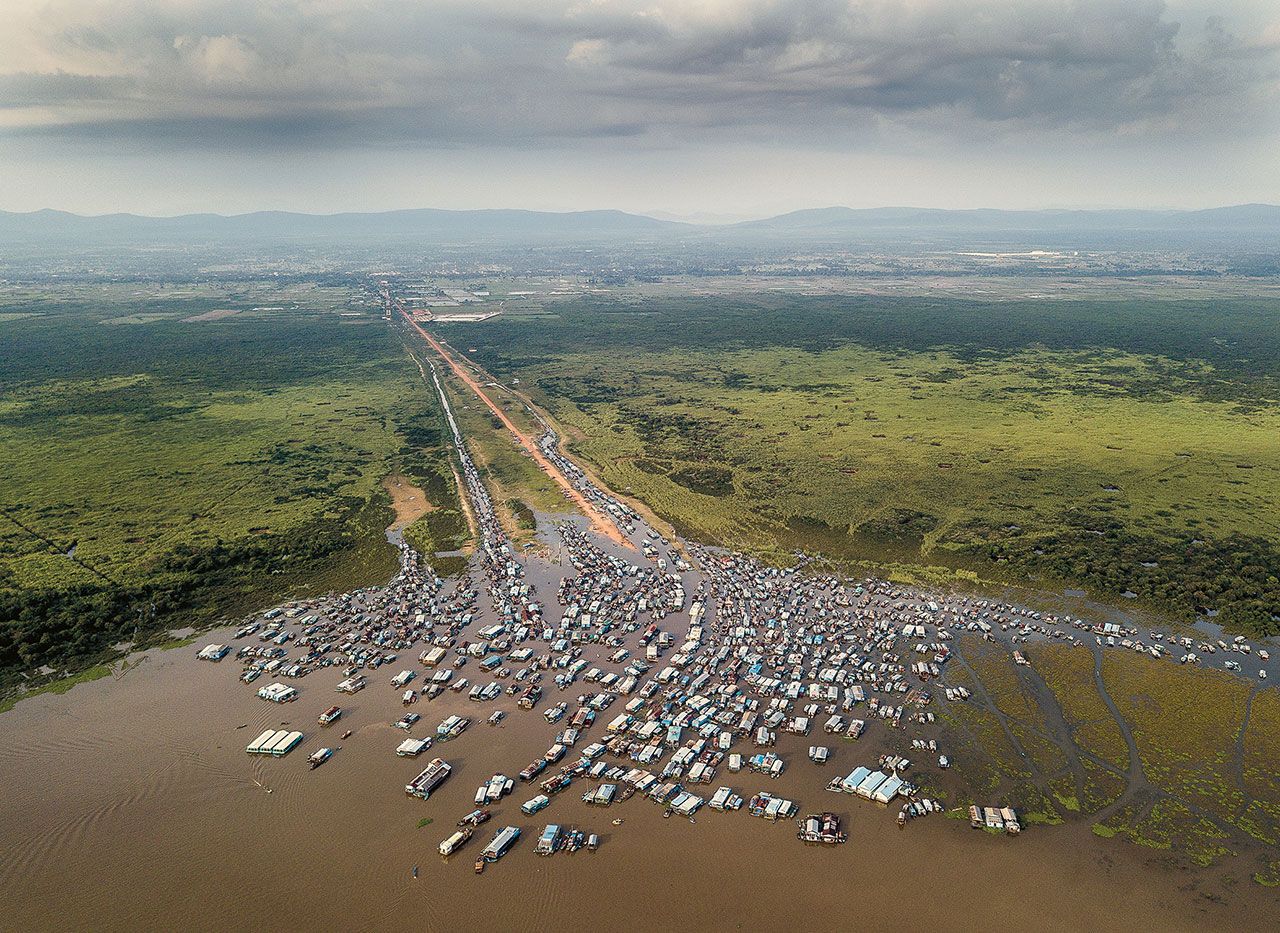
667 671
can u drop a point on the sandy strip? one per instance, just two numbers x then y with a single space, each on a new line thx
215 315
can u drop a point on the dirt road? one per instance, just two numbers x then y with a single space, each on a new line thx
601 523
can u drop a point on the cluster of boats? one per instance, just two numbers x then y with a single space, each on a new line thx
1002 819
687 654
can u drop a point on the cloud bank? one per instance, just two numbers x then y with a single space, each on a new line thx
662 72
733 106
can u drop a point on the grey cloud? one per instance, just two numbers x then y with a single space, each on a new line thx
33 89
1101 65
351 72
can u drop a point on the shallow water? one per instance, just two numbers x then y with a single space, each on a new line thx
131 803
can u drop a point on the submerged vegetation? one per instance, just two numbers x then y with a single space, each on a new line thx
172 455
1125 446
1170 758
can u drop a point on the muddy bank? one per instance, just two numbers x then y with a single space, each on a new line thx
408 502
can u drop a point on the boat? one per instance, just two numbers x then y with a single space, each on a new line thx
330 716
821 829
319 757
549 841
346 735
501 843
456 841
431 777
480 865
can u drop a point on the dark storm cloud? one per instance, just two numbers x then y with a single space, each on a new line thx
342 72
1100 65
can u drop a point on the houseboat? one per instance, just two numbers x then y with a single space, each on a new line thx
431 777
501 843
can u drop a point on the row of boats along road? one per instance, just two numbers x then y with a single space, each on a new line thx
664 673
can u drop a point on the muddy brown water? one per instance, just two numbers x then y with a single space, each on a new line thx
131 804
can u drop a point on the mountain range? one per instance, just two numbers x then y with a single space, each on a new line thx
473 225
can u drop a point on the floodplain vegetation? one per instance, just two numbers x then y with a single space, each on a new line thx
174 454
1178 760
1123 446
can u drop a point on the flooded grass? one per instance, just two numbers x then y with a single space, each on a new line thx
1206 789
58 687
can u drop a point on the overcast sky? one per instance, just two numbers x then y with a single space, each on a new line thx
732 107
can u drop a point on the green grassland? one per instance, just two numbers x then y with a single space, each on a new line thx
163 471
1126 446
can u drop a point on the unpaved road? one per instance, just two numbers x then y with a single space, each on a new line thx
599 522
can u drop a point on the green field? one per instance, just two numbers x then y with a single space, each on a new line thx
160 471
1126 446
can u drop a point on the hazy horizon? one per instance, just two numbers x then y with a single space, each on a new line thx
696 218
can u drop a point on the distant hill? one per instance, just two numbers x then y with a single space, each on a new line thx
60 227
426 223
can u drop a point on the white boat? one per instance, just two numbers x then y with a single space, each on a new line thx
319 757
455 842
